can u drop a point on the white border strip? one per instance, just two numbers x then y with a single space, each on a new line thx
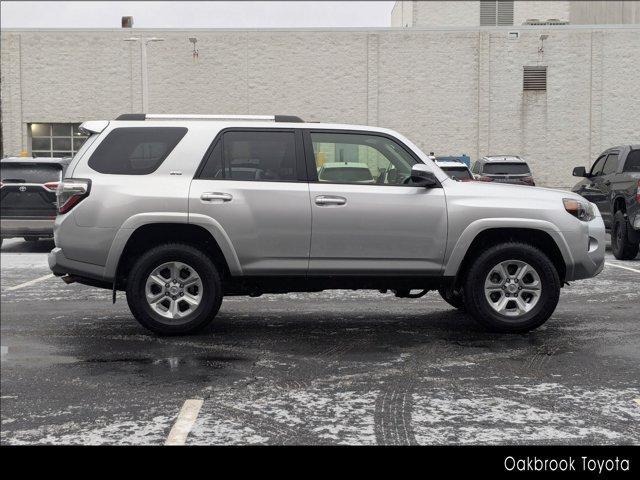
30 282
184 423
620 266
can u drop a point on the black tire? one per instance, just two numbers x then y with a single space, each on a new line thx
621 246
211 289
31 239
452 297
477 304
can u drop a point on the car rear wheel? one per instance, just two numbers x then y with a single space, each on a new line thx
512 287
621 246
452 297
174 289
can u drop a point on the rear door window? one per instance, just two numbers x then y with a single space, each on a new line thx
632 163
135 150
507 168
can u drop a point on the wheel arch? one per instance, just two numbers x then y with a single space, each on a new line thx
474 240
130 242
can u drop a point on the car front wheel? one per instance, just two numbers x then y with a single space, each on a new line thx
174 289
512 287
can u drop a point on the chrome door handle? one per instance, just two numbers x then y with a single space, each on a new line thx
211 196
330 200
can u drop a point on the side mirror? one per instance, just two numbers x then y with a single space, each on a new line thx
421 176
580 172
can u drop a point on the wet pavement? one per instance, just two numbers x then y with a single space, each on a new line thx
338 367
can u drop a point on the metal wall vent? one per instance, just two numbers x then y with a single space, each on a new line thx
535 78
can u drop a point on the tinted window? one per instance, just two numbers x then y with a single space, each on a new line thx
633 161
214 168
597 167
458 173
264 156
611 165
506 168
360 158
25 173
136 150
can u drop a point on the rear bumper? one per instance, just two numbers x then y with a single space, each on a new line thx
19 227
61 265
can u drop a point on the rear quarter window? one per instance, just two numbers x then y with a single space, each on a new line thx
135 150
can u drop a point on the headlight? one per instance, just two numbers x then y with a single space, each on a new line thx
581 210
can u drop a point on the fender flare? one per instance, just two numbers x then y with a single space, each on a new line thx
136 221
459 250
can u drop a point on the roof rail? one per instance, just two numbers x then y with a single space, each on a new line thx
170 116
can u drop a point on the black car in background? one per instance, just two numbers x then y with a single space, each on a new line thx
613 183
504 169
28 196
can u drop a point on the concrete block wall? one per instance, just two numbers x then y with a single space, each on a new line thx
451 91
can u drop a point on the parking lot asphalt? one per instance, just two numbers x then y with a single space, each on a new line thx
339 367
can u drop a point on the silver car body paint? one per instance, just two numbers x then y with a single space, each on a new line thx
272 228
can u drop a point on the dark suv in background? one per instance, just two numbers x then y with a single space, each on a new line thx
28 196
503 169
613 183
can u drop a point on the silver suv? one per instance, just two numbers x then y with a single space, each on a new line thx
180 211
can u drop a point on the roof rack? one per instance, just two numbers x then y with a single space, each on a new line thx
170 116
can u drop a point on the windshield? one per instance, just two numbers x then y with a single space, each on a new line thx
506 168
345 174
458 173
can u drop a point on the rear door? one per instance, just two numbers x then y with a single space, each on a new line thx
253 184
28 189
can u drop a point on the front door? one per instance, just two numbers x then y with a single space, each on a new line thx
366 218
254 187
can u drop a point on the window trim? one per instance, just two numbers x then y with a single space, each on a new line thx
311 160
301 172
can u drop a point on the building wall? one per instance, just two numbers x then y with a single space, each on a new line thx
450 91
589 13
543 10
444 13
467 13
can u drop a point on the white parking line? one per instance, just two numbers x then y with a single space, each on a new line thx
30 282
184 423
620 266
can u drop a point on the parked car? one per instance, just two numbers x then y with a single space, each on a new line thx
456 170
144 210
503 169
613 184
345 172
28 196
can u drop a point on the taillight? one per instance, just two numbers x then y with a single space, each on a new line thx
71 192
528 180
51 186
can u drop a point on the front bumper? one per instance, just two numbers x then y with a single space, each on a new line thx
22 227
587 248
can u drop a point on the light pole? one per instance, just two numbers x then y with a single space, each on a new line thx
143 66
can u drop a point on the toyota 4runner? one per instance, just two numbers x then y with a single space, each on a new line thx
181 210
